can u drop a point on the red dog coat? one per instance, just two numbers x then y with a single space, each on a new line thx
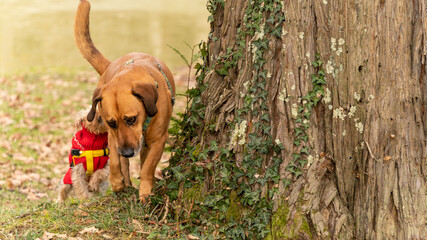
87 142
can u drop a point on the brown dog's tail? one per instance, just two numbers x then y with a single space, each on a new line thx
84 41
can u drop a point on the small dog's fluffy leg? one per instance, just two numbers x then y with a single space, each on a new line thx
64 192
80 184
99 177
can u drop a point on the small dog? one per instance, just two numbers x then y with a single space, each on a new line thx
89 162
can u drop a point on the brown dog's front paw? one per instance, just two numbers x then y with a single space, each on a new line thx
144 198
117 185
144 193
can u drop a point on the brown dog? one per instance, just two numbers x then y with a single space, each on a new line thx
131 89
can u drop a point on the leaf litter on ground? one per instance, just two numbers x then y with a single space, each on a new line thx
36 118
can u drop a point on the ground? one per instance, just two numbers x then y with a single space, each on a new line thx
36 118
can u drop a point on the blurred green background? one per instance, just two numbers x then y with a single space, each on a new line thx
37 35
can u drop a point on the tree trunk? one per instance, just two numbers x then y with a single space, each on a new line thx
341 86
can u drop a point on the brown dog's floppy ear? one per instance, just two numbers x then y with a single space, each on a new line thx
147 93
95 99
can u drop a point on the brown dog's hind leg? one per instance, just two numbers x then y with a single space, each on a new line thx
116 176
124 163
154 154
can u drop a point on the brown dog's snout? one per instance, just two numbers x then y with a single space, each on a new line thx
127 152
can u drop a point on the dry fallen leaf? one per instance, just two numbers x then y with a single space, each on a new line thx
80 213
48 236
192 237
5 144
158 174
13 183
19 177
36 196
387 158
6 120
21 157
89 230
164 163
138 225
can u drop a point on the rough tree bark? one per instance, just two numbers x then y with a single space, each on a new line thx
366 173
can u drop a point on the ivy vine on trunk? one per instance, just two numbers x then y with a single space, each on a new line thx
307 122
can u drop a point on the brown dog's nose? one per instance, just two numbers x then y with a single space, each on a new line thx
127 152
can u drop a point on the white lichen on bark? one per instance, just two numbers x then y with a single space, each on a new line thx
239 133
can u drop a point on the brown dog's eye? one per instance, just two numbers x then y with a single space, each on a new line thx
112 124
130 121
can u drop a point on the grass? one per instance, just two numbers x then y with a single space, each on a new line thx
37 114
117 217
